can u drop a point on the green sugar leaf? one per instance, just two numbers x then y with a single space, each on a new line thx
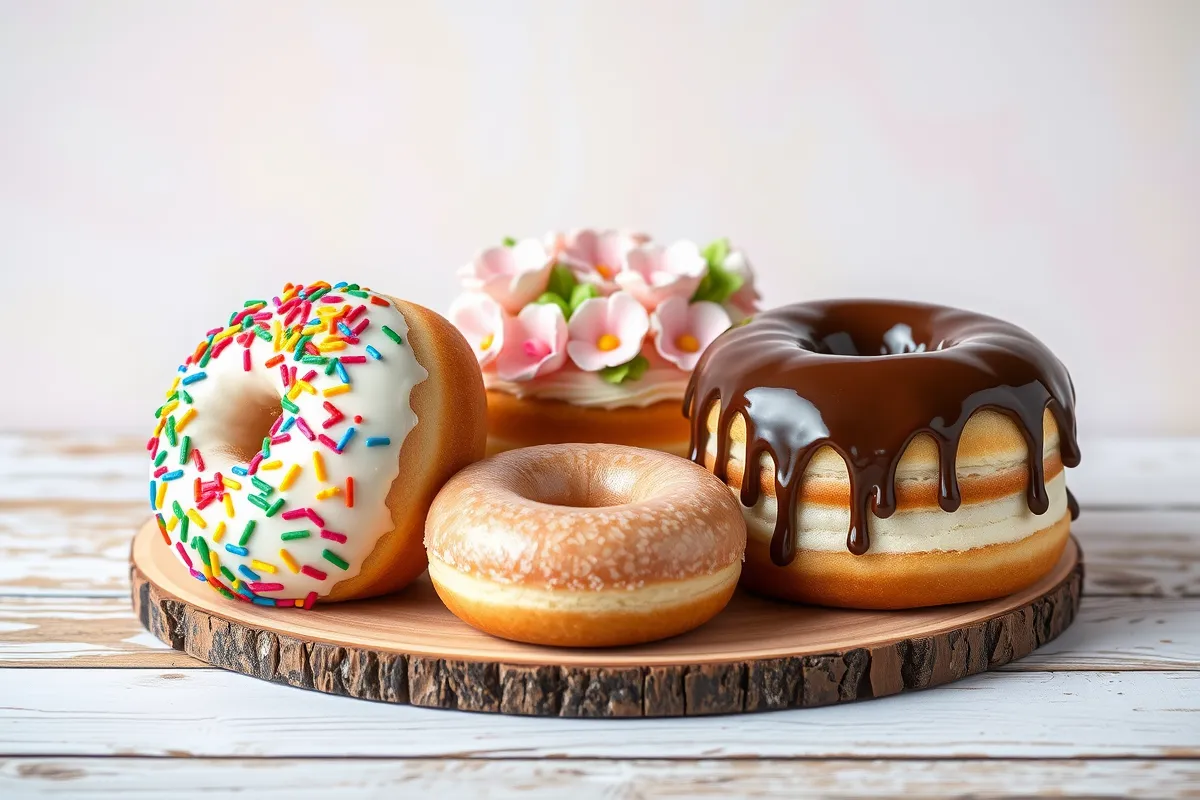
581 292
631 370
508 241
562 281
551 297
718 283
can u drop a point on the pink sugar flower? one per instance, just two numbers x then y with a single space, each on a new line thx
745 300
598 256
512 276
607 331
683 330
654 273
535 343
481 320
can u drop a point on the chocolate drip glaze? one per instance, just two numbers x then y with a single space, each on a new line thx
866 377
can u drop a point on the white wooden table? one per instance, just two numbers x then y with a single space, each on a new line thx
92 706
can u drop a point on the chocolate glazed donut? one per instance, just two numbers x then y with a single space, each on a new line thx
866 377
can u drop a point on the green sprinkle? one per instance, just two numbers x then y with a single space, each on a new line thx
162 456
391 334
228 594
183 529
158 411
185 449
246 533
202 548
290 406
357 293
264 487
261 502
331 366
178 509
296 354
314 360
335 559
274 509
171 437
318 294
247 322
290 535
262 333
187 398
249 303
228 574
266 448
203 362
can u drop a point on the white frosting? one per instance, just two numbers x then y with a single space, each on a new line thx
588 389
379 393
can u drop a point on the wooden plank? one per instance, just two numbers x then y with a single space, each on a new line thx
1110 634
97 712
527 779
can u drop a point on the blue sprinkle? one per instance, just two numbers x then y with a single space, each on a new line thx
182 368
378 441
341 284
237 551
244 589
314 321
190 379
285 427
346 437
341 371
344 328
172 476
262 601
153 495
373 353
249 573
199 576
239 471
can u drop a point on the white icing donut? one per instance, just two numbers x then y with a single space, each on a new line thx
284 519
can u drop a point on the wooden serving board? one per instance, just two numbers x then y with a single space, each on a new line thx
756 655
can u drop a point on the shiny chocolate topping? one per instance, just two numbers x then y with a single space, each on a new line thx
865 377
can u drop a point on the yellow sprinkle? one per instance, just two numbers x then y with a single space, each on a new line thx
325 311
228 505
325 494
219 531
214 562
174 386
311 330
230 483
185 419
162 423
277 334
336 344
318 467
290 342
341 388
225 334
305 386
289 477
236 584
287 559
274 463
169 407
294 392
289 293
172 521
195 517
162 495
263 566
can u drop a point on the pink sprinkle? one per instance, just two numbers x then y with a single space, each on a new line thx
214 331
285 376
199 459
152 444
295 312
330 443
294 513
281 438
275 425
158 473
289 305
312 598
254 462
354 314
241 315
304 429
313 573
308 376
315 517
292 375
246 360
205 501
360 327
198 576
311 349
186 558
221 345
331 298
263 316
353 359
340 538
265 587
275 300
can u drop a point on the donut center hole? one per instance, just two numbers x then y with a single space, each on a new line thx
887 340
589 489
245 420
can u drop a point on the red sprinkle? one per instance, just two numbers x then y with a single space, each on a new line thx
254 462
205 501
286 376
353 359
330 443
294 513
340 538
265 587
349 492
335 416
186 558
281 438
221 345
214 332
152 445
331 298
275 425
246 360
199 459
379 301
311 349
351 316
273 360
315 517
308 376
313 573
308 601
360 327
158 473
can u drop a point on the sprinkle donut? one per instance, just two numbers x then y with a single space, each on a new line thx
301 443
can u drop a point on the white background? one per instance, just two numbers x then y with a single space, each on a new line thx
162 161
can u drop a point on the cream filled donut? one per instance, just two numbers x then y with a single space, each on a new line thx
584 545
302 441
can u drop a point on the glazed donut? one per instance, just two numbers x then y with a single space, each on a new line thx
584 545
901 454
302 442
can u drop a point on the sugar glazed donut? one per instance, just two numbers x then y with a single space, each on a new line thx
584 545
590 336
302 441
900 455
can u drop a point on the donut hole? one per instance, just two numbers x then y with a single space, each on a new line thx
869 329
245 420
583 486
